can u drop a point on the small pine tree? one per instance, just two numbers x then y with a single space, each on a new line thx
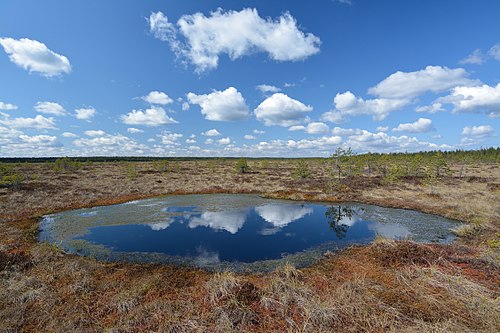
302 170
242 165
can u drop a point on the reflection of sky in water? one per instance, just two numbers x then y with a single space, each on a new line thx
230 221
393 231
160 225
280 215
91 213
241 228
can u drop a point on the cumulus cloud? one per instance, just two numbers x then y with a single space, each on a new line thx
249 137
168 138
34 56
224 141
234 33
69 135
85 113
50 108
281 215
212 132
7 106
345 131
478 131
422 125
311 128
281 110
407 85
266 88
227 105
95 133
382 128
494 52
155 116
230 221
111 145
38 122
157 97
347 105
134 130
475 58
433 108
365 141
40 140
477 99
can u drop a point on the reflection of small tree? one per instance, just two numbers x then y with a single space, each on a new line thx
335 215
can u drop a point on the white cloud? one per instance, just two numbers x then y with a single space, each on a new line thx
224 141
433 108
157 97
34 56
249 137
8 134
347 104
40 140
155 116
316 128
134 130
266 88
69 135
209 141
256 131
281 110
212 132
382 128
111 145
345 131
7 106
190 141
475 58
85 113
478 131
236 34
163 30
50 108
227 105
422 125
297 128
185 106
168 138
281 215
95 133
230 221
407 85
494 52
39 122
478 99
365 141
333 117
311 128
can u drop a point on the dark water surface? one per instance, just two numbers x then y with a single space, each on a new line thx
232 230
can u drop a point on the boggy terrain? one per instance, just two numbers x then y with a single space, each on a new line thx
389 286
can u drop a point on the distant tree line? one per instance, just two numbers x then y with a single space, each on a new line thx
485 155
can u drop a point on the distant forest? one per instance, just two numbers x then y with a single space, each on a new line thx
489 155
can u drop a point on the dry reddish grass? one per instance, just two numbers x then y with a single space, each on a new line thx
384 287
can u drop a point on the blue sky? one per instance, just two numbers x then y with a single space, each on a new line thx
247 78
